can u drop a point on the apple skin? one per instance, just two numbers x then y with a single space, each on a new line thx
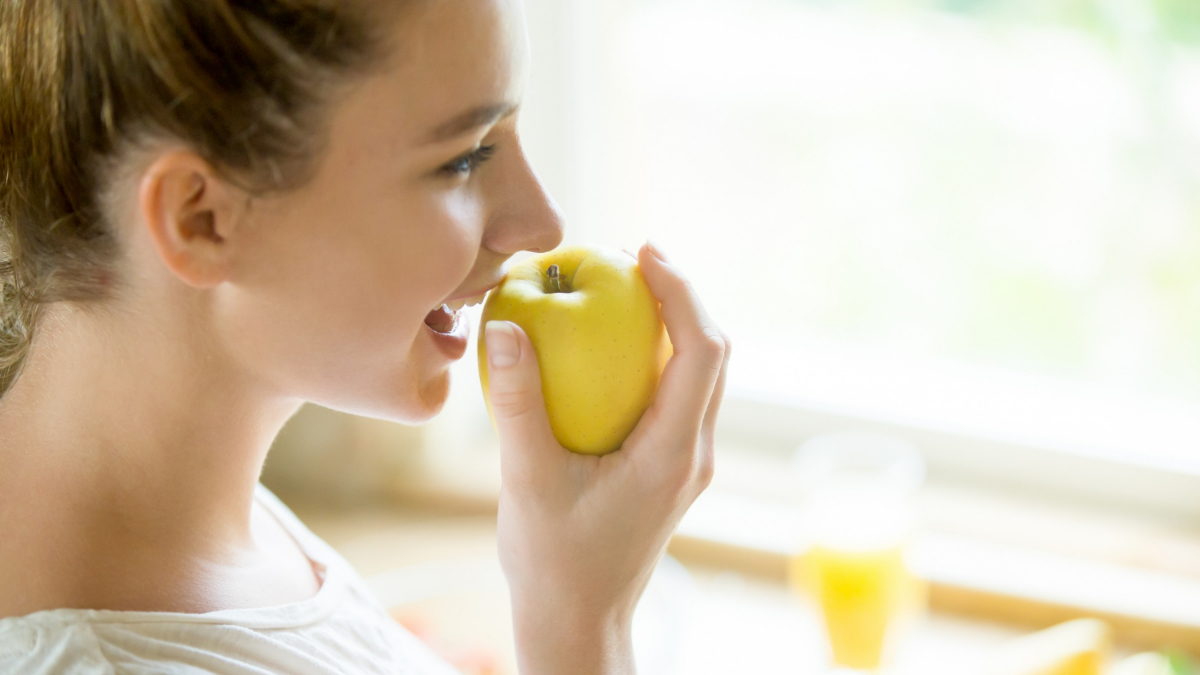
601 345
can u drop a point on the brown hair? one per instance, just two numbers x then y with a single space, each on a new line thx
239 81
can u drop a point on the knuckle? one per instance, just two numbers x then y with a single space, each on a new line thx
712 349
705 469
682 287
686 284
679 487
676 478
510 404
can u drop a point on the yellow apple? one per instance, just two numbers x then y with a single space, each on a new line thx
599 339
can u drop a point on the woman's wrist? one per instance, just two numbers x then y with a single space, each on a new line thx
555 642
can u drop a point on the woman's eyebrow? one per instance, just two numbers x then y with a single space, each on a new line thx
475 117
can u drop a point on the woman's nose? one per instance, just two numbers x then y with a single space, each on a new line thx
525 217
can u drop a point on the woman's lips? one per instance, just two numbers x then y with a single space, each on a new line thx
449 329
443 319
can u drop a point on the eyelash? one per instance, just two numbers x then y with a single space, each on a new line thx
470 161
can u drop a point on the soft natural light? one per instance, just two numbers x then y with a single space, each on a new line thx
1001 187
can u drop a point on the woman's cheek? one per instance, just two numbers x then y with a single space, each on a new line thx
448 256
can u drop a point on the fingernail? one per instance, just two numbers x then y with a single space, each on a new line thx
502 346
654 251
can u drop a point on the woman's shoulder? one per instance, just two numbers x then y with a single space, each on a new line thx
341 629
84 642
34 645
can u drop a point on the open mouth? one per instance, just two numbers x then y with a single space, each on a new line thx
444 319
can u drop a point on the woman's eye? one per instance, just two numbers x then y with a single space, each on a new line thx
469 162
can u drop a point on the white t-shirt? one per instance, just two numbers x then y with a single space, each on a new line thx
341 630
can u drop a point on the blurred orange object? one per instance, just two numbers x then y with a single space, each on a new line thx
468 660
861 519
862 595
1078 647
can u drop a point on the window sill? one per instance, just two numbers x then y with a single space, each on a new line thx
992 555
967 576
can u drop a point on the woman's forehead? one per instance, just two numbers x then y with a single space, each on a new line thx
454 60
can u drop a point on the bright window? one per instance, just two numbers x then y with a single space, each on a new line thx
975 213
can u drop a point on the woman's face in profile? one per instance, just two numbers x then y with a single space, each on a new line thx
422 192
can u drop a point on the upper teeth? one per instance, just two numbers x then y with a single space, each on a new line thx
459 304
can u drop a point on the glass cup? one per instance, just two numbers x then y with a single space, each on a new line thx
861 514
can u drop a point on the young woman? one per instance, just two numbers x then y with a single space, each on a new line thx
214 210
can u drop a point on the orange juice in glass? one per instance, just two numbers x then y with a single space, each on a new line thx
861 518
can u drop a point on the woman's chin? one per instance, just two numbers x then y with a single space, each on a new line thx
431 397
406 403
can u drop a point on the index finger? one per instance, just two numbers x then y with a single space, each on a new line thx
691 373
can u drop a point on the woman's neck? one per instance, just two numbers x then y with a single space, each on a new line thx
127 436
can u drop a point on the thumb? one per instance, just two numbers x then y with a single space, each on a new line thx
515 389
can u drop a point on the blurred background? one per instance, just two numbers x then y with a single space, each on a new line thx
969 225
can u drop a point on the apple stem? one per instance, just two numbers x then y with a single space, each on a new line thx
555 284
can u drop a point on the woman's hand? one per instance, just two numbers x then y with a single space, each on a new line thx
579 535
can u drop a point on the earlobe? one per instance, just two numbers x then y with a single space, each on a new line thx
185 209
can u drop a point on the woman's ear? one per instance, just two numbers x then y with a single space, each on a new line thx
190 215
